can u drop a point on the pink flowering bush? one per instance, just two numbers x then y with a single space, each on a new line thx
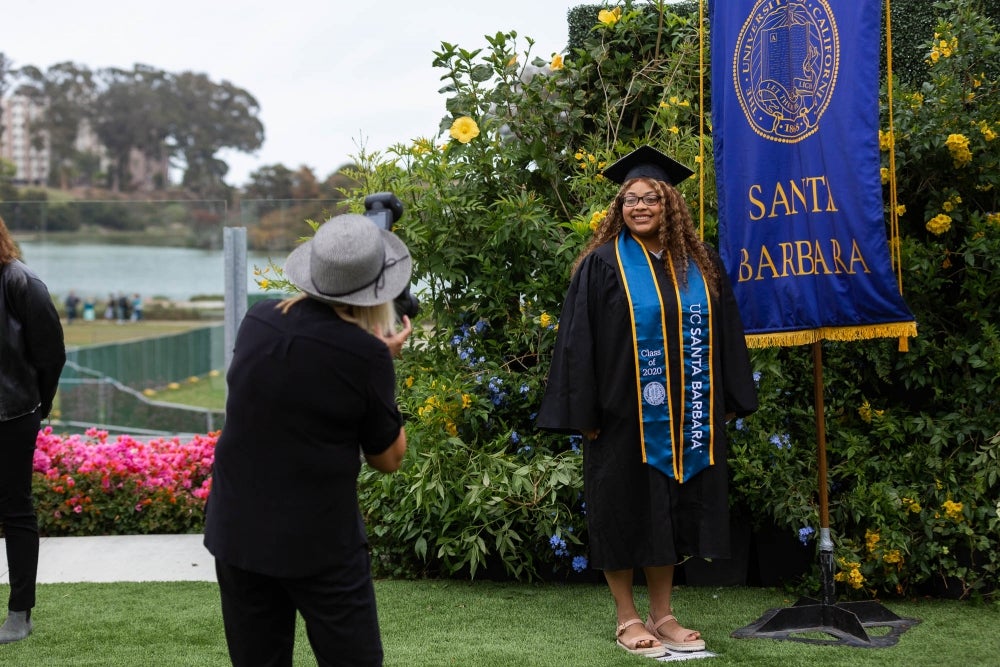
88 485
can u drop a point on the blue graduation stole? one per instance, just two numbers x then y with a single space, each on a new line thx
677 436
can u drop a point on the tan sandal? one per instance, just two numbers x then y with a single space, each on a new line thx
633 644
696 644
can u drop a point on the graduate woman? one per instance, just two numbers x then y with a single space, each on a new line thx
649 364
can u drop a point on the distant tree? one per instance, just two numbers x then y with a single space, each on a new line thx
304 184
8 170
273 181
132 112
66 91
206 117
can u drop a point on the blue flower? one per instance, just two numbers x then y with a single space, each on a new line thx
480 326
782 441
558 545
579 563
739 424
804 534
575 441
515 438
524 389
756 378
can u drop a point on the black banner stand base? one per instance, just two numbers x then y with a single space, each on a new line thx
843 624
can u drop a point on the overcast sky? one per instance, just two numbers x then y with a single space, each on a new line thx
328 74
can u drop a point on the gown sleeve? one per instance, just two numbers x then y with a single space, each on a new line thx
740 390
570 402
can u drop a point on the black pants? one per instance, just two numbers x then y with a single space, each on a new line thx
338 607
17 509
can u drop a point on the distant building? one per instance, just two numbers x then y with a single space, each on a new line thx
33 164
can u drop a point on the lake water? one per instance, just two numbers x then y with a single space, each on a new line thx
96 270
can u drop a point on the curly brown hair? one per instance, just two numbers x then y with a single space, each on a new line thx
8 249
677 233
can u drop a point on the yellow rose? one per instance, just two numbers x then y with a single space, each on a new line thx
609 18
464 129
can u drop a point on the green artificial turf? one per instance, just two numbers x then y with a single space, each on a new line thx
479 623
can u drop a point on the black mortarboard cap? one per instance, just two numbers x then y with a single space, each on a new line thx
647 162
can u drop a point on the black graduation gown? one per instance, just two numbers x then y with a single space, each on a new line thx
636 515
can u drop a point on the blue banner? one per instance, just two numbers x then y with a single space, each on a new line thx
802 232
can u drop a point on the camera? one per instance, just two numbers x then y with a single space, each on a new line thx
385 209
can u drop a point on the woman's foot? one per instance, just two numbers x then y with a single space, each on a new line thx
634 638
674 637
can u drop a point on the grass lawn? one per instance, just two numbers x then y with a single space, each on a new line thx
487 624
208 392
100 332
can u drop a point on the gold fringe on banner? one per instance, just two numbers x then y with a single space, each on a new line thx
895 245
901 330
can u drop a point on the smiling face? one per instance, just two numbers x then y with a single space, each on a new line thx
643 219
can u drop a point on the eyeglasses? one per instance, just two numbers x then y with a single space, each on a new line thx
648 200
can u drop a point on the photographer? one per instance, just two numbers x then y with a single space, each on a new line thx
311 381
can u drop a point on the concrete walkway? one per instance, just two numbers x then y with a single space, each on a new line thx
120 558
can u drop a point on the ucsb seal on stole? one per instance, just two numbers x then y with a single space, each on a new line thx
654 393
785 67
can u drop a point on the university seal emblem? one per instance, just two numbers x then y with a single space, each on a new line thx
654 393
785 67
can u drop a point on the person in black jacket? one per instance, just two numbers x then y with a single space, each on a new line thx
311 392
32 354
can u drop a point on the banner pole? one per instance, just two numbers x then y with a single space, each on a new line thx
825 541
847 622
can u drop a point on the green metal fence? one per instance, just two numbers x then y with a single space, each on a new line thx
101 386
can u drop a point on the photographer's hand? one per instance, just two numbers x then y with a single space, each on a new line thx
394 339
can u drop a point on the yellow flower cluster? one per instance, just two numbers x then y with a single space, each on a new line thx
609 18
544 320
989 134
939 224
916 101
884 172
958 146
950 204
993 218
443 410
952 510
596 219
893 557
589 161
910 505
674 101
557 62
900 211
850 574
885 140
866 413
943 48
872 540
464 129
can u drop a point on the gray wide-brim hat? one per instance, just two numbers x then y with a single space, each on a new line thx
352 261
